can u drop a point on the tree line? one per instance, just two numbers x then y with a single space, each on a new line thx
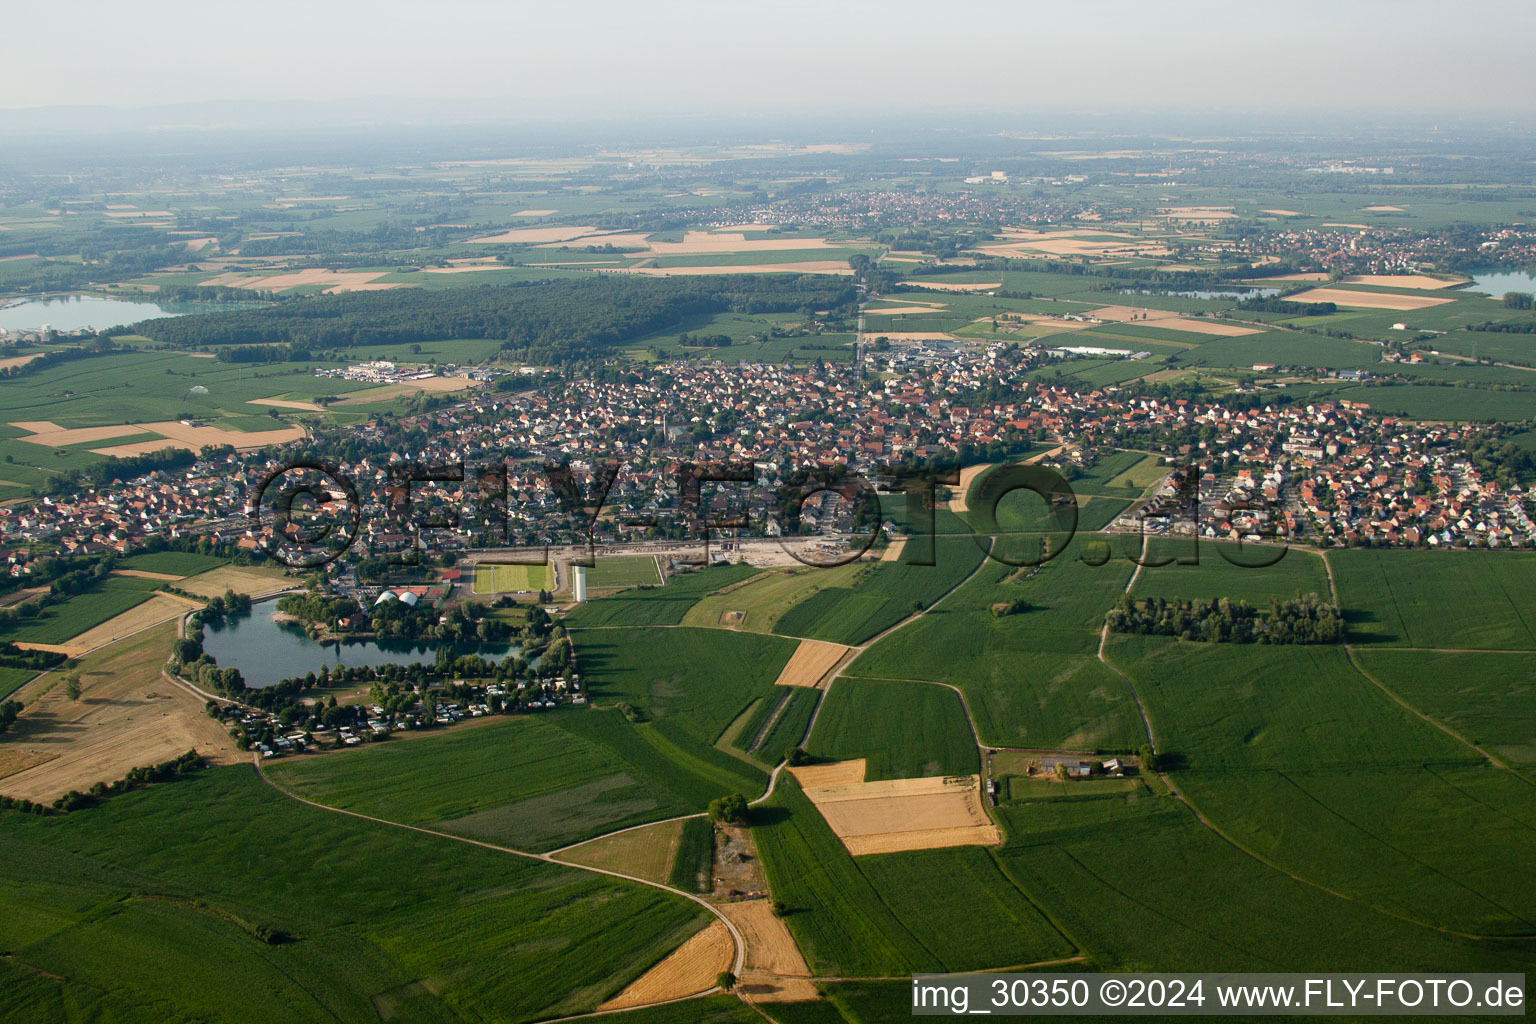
1303 620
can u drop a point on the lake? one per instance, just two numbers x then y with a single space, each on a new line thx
78 312
267 651
1497 282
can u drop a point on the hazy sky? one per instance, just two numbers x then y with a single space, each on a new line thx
725 56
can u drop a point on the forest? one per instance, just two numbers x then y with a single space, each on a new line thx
547 321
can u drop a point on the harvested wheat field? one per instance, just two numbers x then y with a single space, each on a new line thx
1310 275
284 403
805 267
1399 281
836 773
1201 326
1121 314
179 435
689 969
537 236
645 852
893 550
810 663
905 310
698 242
1383 209
1283 213
437 385
242 579
1367 300
968 476
159 608
43 432
535 213
127 716
774 971
953 286
330 280
145 574
895 815
913 335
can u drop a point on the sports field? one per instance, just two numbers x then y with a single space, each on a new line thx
623 571
502 578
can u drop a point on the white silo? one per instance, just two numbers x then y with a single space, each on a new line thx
579 583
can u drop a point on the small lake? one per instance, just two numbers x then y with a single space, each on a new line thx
1497 282
267 651
79 312
1208 293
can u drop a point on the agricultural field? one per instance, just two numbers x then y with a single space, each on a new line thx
788 730
889 913
1488 698
1268 737
181 924
879 595
12 679
619 571
502 578
59 622
758 605
1297 573
696 681
903 730
1438 599
648 852
527 783
172 563
662 606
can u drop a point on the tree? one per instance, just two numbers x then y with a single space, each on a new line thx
732 808
725 980
1148 757
72 686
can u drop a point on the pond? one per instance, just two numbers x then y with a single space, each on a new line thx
79 312
267 651
1497 282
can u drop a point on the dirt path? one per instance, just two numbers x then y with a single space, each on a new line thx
737 941
1216 829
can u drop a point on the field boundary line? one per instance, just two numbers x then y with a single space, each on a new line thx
548 858
1200 817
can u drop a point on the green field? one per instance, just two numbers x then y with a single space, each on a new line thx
1297 756
623 571
512 579
659 606
1297 573
789 731
1488 698
693 680
893 913
12 679
692 867
880 594
904 730
1031 678
765 600
59 622
1460 599
147 908
174 563
525 783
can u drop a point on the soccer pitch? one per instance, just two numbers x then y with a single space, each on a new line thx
503 579
623 571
